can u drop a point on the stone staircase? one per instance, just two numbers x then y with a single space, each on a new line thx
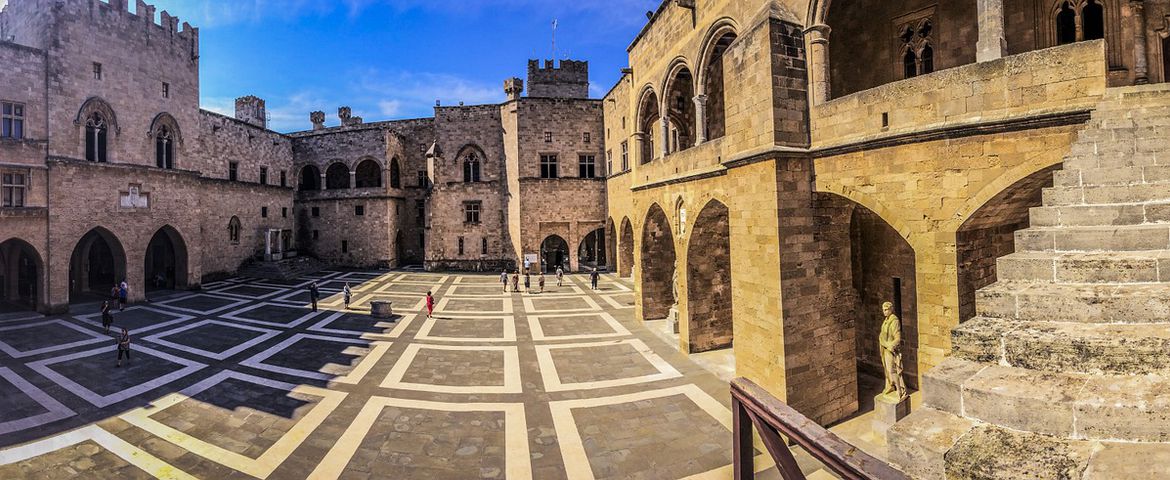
287 269
1065 372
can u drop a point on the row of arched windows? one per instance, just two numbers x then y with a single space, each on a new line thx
1089 16
99 120
368 174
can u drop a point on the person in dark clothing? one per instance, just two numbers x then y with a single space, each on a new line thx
107 317
593 278
123 346
314 294
527 282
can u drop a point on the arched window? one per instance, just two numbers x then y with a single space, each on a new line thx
471 166
310 178
234 230
1066 24
909 64
927 60
337 176
1093 21
395 174
368 174
96 131
164 148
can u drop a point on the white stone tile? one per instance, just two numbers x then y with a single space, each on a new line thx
55 410
553 383
160 338
107 355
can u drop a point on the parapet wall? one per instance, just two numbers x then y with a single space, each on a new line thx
569 79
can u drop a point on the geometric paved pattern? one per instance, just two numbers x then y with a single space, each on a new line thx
242 380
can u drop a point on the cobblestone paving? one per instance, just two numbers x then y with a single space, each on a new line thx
243 380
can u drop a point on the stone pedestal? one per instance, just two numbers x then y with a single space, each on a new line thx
381 309
672 318
887 410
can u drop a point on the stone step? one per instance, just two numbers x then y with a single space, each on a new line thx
1096 176
1116 238
1114 160
1106 194
919 442
1114 349
1075 303
1100 215
1132 408
1083 267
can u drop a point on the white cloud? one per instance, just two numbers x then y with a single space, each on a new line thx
390 108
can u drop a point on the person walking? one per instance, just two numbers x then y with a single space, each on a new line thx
527 283
346 292
107 317
593 278
114 294
560 275
430 305
123 294
123 346
540 282
516 282
314 294
504 280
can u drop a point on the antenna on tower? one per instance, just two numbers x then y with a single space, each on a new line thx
554 39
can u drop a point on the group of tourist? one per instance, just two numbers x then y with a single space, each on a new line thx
593 277
119 294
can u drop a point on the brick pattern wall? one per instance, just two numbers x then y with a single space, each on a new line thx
709 297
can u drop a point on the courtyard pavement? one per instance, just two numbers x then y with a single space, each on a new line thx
243 380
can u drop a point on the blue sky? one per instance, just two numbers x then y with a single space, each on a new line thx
391 59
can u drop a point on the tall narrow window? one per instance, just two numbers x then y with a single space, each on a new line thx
11 120
548 166
234 230
1066 24
97 71
1093 21
586 137
422 179
395 174
927 60
909 64
345 246
233 171
460 246
587 166
166 90
420 212
164 148
483 246
283 178
264 175
95 138
625 156
471 167
263 212
12 189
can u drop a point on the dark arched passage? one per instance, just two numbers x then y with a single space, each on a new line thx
368 174
648 125
165 266
337 176
626 250
310 178
395 173
97 264
554 252
21 275
591 253
680 110
658 265
709 299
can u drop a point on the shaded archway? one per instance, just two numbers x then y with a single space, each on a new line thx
368 174
658 265
395 173
165 266
883 270
648 125
337 176
989 233
591 253
626 250
97 264
399 249
21 276
310 178
610 245
709 299
715 111
554 252
680 108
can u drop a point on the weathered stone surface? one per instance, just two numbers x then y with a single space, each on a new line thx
988 452
919 442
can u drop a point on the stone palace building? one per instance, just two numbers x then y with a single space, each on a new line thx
768 172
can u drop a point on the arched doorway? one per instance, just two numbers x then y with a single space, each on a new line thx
310 178
709 299
554 252
20 276
658 266
626 250
97 264
591 252
165 267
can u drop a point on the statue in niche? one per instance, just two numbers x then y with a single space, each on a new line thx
890 344
674 286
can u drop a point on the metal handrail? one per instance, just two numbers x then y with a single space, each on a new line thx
754 406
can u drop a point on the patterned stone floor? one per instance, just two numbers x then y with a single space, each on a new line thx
242 380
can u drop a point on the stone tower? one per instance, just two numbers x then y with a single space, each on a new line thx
570 79
513 87
250 109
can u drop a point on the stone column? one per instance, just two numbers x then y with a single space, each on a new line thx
991 44
818 62
636 153
700 119
322 186
665 136
1141 65
352 179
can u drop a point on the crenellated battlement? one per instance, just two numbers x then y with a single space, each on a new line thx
569 79
110 15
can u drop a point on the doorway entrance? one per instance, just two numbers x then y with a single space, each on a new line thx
166 265
554 252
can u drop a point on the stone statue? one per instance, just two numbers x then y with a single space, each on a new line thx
674 286
890 343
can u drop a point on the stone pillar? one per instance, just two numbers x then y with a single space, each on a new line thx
665 136
352 178
639 147
991 44
700 119
818 62
1141 65
322 186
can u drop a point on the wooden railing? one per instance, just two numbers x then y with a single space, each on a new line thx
754 406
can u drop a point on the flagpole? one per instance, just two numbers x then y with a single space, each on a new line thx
554 40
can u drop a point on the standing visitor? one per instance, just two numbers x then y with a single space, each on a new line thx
516 282
593 278
560 275
123 294
114 294
123 346
313 294
107 317
504 280
345 292
527 282
540 281
430 304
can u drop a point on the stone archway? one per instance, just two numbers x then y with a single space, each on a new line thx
368 174
658 265
680 109
554 252
649 119
21 275
626 250
165 265
337 176
591 253
709 298
713 92
97 264
310 178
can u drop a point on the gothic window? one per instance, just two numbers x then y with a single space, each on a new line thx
164 148
1066 24
909 64
234 230
471 168
395 174
95 138
1093 21
917 49
927 59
